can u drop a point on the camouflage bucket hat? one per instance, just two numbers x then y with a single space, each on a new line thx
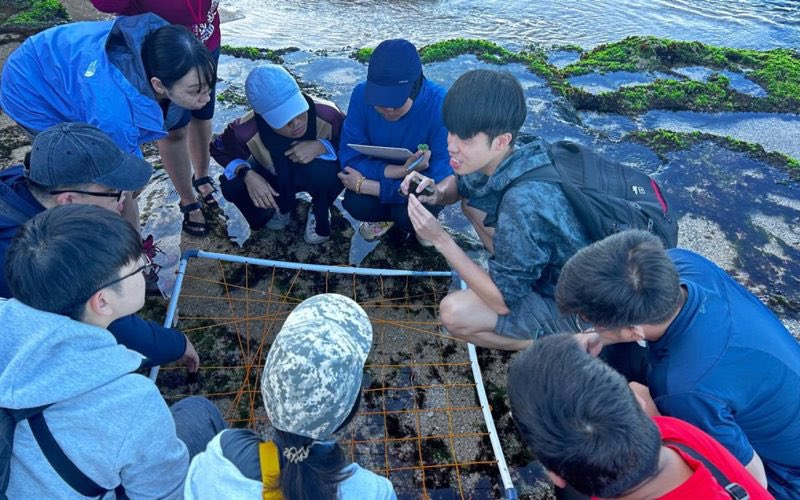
313 372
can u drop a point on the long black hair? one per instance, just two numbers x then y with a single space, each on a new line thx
171 51
318 476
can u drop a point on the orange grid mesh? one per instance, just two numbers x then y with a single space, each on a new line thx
419 423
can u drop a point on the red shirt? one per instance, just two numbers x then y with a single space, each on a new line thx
201 17
702 483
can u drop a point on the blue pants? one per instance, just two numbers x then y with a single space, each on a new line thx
197 421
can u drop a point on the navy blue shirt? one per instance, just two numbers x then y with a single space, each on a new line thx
727 365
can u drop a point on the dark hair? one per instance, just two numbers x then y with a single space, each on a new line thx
60 257
318 476
415 90
580 419
625 279
171 51
481 100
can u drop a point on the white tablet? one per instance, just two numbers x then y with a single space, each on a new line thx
384 153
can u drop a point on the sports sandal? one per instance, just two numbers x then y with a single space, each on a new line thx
208 199
373 230
189 226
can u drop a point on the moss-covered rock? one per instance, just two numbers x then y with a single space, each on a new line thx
778 71
257 53
233 95
665 141
37 14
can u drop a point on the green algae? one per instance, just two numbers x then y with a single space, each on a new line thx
362 55
482 49
257 53
233 95
778 71
665 141
38 13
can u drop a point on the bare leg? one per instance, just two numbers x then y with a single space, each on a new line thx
130 211
199 139
476 217
467 317
174 151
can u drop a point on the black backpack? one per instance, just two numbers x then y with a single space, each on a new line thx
52 452
607 196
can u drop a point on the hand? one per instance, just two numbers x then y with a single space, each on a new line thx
422 165
434 199
590 342
260 191
190 357
350 178
425 224
305 151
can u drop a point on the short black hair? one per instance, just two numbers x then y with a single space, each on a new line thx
481 100
171 51
60 257
623 280
580 419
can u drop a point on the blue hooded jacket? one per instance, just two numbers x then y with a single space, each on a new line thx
88 72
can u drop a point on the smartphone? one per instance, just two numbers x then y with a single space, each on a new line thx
428 191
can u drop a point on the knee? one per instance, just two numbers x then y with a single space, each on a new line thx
177 135
451 314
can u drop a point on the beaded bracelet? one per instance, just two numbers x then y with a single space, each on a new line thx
358 184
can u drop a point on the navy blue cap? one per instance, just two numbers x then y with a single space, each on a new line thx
78 153
393 70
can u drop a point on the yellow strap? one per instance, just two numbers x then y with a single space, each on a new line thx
270 470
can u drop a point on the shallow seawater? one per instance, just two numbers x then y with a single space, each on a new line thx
761 24
598 83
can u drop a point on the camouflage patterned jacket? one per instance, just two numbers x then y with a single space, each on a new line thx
536 229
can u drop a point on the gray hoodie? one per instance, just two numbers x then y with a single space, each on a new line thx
112 424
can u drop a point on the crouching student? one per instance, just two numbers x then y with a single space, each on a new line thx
396 107
285 145
73 270
529 227
311 387
76 163
584 424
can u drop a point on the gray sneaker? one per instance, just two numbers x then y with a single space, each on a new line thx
311 236
279 220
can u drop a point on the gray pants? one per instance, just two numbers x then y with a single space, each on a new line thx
197 421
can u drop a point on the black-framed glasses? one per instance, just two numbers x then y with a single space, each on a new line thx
111 194
146 267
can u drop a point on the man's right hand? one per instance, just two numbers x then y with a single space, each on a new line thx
434 199
190 357
261 193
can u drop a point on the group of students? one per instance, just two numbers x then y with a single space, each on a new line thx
701 353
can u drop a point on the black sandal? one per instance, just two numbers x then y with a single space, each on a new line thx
208 199
189 226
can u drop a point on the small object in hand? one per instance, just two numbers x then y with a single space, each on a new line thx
420 147
412 188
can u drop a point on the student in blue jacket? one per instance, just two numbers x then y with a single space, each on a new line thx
135 78
396 107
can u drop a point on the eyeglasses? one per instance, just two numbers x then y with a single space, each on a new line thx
146 267
112 194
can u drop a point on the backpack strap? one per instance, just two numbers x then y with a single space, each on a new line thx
270 470
735 490
68 471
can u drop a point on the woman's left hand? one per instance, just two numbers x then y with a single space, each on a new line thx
305 151
350 178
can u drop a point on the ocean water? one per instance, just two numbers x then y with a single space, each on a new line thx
332 24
